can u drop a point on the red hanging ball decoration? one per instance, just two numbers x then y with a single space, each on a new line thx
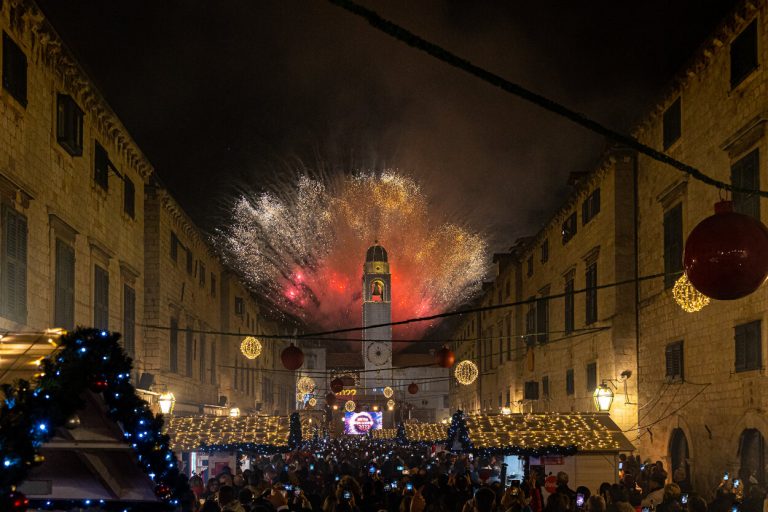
330 399
413 388
337 385
99 385
726 255
163 491
445 357
14 501
292 357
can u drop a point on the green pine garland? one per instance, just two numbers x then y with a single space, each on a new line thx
32 411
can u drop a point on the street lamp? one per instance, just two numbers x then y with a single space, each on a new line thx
166 402
603 397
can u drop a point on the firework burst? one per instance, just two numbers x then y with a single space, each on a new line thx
302 247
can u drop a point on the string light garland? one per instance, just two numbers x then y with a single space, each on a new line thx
350 406
250 347
466 372
32 411
687 296
306 385
388 392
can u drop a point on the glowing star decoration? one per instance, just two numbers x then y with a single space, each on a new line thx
301 245
688 297
305 385
250 347
466 372
388 392
350 406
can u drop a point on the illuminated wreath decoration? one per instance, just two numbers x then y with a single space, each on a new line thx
388 392
305 385
32 411
466 372
250 347
350 406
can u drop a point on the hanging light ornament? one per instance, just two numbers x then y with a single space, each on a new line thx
466 372
299 396
388 392
305 384
350 406
250 347
413 388
390 404
312 402
726 254
337 385
687 296
292 357
445 357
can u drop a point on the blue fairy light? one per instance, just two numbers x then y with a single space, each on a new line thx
104 334
43 427
83 350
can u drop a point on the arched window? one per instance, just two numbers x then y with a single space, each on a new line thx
752 457
377 290
678 456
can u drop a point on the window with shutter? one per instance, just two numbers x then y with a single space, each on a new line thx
201 274
174 247
530 323
69 125
569 306
748 341
213 285
673 245
201 353
129 197
190 261
569 228
101 166
542 320
591 294
672 126
544 254
14 70
591 377
213 363
173 346
545 387
529 272
189 352
744 54
14 265
570 387
674 362
64 293
129 319
100 298
745 173
531 390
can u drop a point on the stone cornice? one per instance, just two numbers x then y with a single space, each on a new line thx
46 47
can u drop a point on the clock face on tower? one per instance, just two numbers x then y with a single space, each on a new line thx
377 354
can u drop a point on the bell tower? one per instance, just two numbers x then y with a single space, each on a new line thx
377 309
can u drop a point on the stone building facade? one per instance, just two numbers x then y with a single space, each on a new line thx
89 237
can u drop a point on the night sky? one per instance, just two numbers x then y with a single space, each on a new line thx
222 94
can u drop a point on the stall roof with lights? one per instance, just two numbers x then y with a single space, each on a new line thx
543 433
222 433
415 433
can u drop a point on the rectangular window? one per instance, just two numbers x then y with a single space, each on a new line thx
129 197
569 228
591 377
174 246
509 338
213 284
101 166
673 356
64 294
748 341
14 265
507 288
100 298
542 320
14 70
201 275
672 128
570 387
545 387
239 306
509 397
530 323
545 251
190 262
189 354
744 54
569 306
129 319
673 245
213 363
69 125
591 294
173 346
529 265
745 173
531 390
590 207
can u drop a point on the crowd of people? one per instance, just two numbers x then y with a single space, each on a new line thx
362 475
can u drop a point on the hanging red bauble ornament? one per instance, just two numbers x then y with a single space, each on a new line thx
292 357
726 255
413 388
337 385
14 502
99 385
163 491
445 357
330 399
